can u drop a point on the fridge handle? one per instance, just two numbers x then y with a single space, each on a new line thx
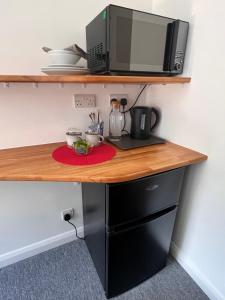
152 187
132 225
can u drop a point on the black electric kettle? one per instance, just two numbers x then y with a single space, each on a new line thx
142 121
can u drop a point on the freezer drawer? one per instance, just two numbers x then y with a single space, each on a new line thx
135 254
139 198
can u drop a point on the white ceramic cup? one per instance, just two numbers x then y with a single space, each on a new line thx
72 135
94 139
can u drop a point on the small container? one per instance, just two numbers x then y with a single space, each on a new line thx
72 136
82 147
100 128
96 128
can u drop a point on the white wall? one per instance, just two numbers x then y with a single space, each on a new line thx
193 115
30 211
29 25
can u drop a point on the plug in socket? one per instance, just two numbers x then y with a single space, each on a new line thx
69 211
84 100
118 97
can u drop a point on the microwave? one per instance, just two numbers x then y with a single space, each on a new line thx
124 41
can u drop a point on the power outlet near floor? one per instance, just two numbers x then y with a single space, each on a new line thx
84 100
69 211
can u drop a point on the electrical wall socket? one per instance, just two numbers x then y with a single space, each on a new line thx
118 97
84 100
67 211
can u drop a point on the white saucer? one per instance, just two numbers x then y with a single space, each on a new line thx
64 70
66 66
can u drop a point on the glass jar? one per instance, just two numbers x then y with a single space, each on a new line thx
115 121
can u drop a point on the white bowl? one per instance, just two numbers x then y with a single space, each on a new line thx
63 57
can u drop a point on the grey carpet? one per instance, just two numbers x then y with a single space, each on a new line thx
67 273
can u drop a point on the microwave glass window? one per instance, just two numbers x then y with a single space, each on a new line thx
134 49
147 44
123 40
137 40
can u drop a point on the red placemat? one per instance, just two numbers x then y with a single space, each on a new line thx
97 155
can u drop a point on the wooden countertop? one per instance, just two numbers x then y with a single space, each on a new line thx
34 163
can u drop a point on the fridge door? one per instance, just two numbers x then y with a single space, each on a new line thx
134 254
139 198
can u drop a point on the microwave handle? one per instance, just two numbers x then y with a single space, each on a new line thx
171 45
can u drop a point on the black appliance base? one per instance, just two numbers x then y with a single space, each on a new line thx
126 142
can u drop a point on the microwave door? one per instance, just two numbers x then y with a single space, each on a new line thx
148 43
119 40
137 41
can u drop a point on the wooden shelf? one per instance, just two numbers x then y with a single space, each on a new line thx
94 79
36 163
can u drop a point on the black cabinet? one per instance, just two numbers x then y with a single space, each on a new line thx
128 227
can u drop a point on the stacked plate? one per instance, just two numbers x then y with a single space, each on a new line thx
64 70
63 62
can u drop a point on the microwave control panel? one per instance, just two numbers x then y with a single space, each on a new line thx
179 59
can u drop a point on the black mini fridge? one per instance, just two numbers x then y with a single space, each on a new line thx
128 227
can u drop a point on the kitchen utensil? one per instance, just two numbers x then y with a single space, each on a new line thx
90 116
76 49
142 122
98 117
46 49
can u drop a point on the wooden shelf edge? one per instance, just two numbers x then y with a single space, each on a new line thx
93 79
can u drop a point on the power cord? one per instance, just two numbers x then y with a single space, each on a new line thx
136 100
123 103
67 218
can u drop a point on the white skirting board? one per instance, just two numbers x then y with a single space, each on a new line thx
39 247
210 290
